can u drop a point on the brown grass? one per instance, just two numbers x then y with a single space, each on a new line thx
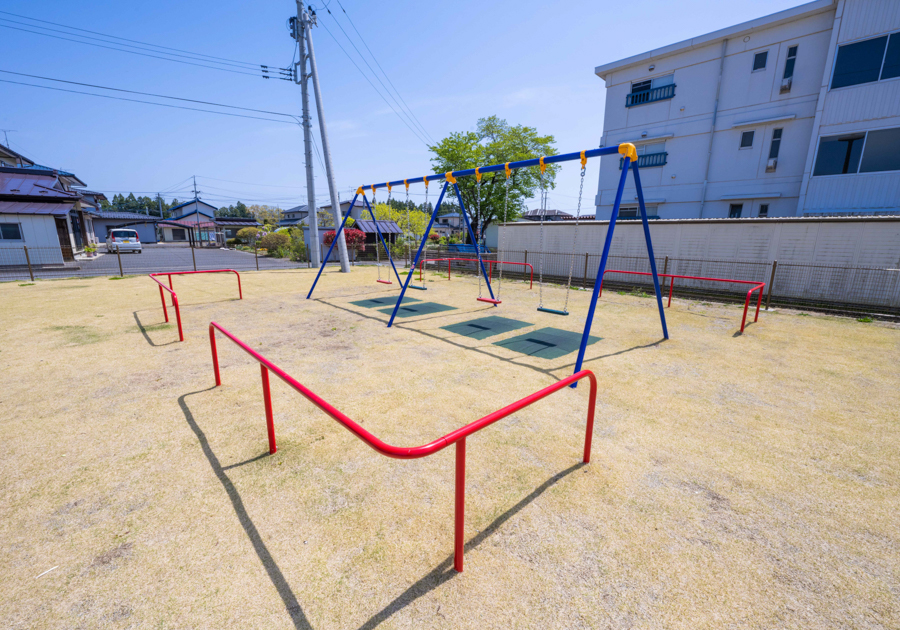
737 481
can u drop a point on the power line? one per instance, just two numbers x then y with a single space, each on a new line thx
230 181
375 59
416 133
134 100
125 39
134 52
375 74
175 98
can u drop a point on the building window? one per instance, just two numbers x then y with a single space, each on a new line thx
776 143
734 210
10 232
839 155
763 209
789 64
867 61
747 139
882 151
759 60
626 213
651 90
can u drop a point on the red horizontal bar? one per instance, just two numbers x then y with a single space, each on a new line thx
491 262
175 297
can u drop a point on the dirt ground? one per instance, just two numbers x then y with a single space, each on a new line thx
737 481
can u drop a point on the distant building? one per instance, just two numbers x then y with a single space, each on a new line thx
144 225
792 114
192 220
549 215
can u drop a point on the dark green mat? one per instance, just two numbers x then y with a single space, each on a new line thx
485 327
546 343
382 301
423 308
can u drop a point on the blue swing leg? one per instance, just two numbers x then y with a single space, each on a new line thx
333 243
659 300
603 258
381 236
477 246
418 255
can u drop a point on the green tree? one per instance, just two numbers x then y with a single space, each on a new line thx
267 215
495 141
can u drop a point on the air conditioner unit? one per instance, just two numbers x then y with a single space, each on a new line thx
771 164
786 85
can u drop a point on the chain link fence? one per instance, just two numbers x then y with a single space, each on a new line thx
815 287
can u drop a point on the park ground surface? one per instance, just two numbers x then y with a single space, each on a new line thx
737 481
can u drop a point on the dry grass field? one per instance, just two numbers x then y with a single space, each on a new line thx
737 481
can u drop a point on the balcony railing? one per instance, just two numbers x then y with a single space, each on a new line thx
648 160
650 96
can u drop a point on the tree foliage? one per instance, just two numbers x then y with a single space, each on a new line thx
142 205
418 220
354 238
237 210
495 141
267 215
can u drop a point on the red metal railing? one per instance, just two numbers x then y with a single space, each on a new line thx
757 286
490 264
457 437
171 290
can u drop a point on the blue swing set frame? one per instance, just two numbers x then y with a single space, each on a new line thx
629 153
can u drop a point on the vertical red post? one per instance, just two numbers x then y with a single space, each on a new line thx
671 286
215 354
162 298
170 282
589 432
449 262
758 302
600 290
240 291
267 399
460 507
177 317
746 306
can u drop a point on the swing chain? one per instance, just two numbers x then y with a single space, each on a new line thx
377 244
541 262
500 244
574 238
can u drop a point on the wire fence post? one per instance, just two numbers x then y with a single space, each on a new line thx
584 275
28 261
665 271
255 255
193 257
119 256
771 284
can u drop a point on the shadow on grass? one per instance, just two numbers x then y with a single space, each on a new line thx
275 575
445 571
144 330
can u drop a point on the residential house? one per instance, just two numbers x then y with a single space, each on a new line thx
793 114
549 215
389 229
228 227
144 225
194 221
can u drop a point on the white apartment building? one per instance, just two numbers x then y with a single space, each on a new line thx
793 114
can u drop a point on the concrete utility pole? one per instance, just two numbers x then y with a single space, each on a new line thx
196 209
301 77
306 31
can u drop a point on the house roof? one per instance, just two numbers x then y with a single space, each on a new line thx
120 216
547 213
5 150
91 193
35 207
386 227
450 215
237 221
738 30
28 185
199 208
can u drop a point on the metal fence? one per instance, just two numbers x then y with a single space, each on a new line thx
816 287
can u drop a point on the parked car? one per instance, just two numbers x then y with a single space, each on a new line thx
123 241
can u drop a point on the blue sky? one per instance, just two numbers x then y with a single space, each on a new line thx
530 62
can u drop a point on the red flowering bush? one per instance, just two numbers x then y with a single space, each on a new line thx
356 239
434 238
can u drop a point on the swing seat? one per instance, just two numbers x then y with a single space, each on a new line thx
412 286
552 311
384 281
489 301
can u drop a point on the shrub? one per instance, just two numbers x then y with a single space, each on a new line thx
434 238
274 241
232 241
247 235
356 239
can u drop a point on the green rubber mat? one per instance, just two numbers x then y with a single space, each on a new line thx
422 308
546 343
382 301
486 327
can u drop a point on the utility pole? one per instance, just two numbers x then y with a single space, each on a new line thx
301 77
196 210
159 204
306 22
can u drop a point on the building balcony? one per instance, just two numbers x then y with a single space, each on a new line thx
648 160
650 96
